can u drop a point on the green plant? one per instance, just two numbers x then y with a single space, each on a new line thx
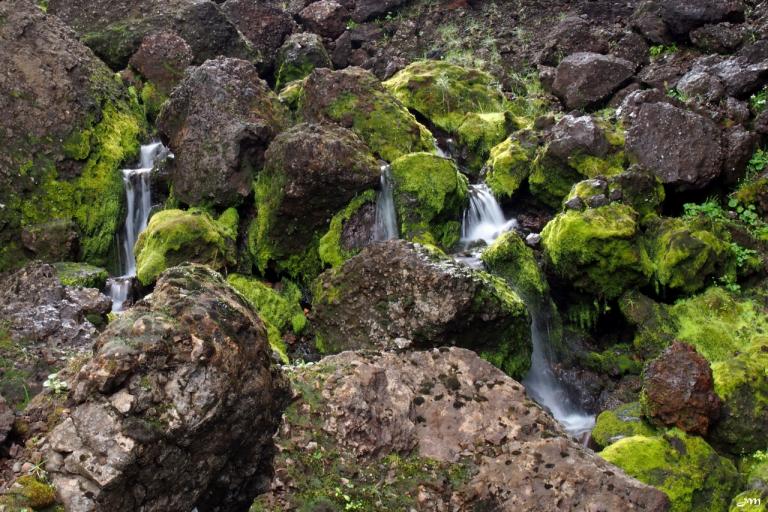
759 100
352 24
659 50
677 94
710 208
746 213
55 384
758 163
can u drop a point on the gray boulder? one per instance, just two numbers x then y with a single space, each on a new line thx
585 79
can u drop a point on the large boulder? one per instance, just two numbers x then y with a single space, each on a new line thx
585 79
74 125
664 20
681 147
355 99
175 410
162 59
311 172
325 17
436 430
265 26
115 30
396 295
298 56
218 122
678 390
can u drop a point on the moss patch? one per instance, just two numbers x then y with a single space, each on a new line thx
514 261
619 423
29 493
330 249
81 275
509 165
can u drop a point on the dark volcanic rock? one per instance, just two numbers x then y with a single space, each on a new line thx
365 10
720 38
325 17
585 79
663 20
175 410
298 56
678 390
162 59
577 135
573 34
218 122
438 430
265 26
682 148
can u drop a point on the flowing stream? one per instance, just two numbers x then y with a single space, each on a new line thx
138 199
386 218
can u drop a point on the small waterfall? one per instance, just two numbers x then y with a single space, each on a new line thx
138 204
386 218
483 220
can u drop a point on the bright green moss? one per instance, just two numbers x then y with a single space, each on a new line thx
81 275
152 99
584 190
290 71
617 360
292 95
685 468
268 191
444 93
508 166
514 261
175 236
550 181
623 421
330 249
593 166
597 249
753 500
479 133
29 492
78 145
429 194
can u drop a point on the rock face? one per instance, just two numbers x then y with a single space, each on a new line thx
682 148
325 17
115 30
449 430
298 56
177 407
679 390
661 21
265 26
585 79
162 59
218 122
396 295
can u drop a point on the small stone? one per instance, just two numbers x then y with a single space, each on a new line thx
533 239
574 204
597 201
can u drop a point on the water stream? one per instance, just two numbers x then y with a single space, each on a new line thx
386 218
138 198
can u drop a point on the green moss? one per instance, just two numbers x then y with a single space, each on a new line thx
685 468
550 181
330 249
81 275
430 193
176 236
509 165
593 166
597 249
623 421
269 192
290 71
292 95
30 492
617 360
584 190
152 99
753 500
479 133
16 369
78 145
514 261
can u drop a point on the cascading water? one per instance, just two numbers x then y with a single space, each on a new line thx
138 204
484 219
386 218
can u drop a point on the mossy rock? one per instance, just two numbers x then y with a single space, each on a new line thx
585 189
618 360
175 236
298 56
686 468
753 500
685 253
509 165
280 310
515 262
640 189
591 166
332 249
81 275
430 195
597 250
550 180
479 133
619 423
27 492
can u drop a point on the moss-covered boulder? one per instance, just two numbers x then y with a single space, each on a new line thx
640 189
754 500
350 230
396 294
311 172
510 163
278 307
81 275
624 421
479 133
686 468
597 250
298 56
510 258
74 125
741 382
175 236
551 180
430 194
354 98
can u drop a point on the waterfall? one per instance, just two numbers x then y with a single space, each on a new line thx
138 199
386 219
483 220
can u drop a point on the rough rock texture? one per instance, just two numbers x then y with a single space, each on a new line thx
218 122
678 390
175 410
265 26
6 419
585 79
56 240
437 430
325 17
663 20
682 148
162 59
115 30
396 295
298 56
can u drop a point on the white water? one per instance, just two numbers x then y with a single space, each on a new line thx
484 220
386 218
138 198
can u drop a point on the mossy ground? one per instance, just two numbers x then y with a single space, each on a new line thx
30 493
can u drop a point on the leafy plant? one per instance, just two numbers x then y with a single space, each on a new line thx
660 50
710 208
759 100
55 384
758 163
352 24
677 94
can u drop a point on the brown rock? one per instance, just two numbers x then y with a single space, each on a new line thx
585 79
265 26
162 59
325 17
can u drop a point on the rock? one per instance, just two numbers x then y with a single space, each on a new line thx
395 293
56 240
509 163
686 468
572 135
624 421
298 56
574 203
583 80
115 30
661 21
81 275
509 258
350 230
265 26
294 206
42 325
6 419
325 17
429 194
740 146
162 59
571 35
720 38
218 122
60 158
355 99
185 378
597 249
680 147
678 390
438 430
533 239
175 236
715 77
639 188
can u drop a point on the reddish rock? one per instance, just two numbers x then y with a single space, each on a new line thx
585 79
263 25
326 17
162 59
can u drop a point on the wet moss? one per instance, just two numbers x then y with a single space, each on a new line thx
550 181
617 360
478 133
330 249
509 165
514 261
29 492
619 423
81 275
593 166
753 500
